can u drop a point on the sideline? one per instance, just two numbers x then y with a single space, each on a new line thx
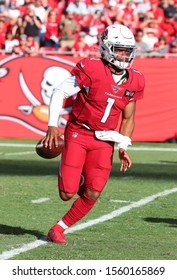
32 245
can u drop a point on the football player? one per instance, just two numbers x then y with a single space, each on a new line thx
107 89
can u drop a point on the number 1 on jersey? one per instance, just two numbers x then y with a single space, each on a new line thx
110 102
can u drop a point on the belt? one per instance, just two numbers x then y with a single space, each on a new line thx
83 125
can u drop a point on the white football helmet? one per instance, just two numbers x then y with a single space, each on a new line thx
117 37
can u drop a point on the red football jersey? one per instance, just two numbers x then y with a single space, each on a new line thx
100 102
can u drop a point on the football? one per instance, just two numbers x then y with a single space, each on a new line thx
49 153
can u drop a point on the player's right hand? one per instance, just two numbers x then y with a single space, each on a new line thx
51 136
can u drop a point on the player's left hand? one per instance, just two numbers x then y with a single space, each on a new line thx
125 160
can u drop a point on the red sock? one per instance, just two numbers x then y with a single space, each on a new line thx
78 210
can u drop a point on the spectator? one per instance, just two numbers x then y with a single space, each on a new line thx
32 46
80 13
98 22
156 13
169 27
173 49
94 6
161 47
45 4
80 48
2 34
84 22
18 28
42 14
8 20
32 25
92 37
68 28
111 12
39 10
129 16
153 27
92 40
103 4
150 39
78 8
23 48
3 6
60 7
150 24
54 3
142 48
24 8
10 42
13 7
52 30
167 7
175 6
142 9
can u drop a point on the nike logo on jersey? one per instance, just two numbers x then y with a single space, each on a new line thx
115 89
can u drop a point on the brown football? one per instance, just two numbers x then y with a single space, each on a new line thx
50 153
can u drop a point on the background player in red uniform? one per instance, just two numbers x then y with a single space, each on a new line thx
106 88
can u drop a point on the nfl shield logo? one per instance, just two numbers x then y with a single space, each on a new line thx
74 134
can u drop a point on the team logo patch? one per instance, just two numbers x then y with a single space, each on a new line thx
105 35
129 93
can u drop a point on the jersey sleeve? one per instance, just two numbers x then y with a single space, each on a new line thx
81 72
140 86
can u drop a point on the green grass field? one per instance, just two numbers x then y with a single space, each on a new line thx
134 219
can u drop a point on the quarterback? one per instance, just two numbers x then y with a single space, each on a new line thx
106 90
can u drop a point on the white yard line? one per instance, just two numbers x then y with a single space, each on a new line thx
141 148
17 145
121 201
17 153
40 200
20 145
160 149
32 245
127 177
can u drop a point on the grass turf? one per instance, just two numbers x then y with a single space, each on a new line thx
148 232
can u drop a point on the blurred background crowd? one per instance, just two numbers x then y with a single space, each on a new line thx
33 26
